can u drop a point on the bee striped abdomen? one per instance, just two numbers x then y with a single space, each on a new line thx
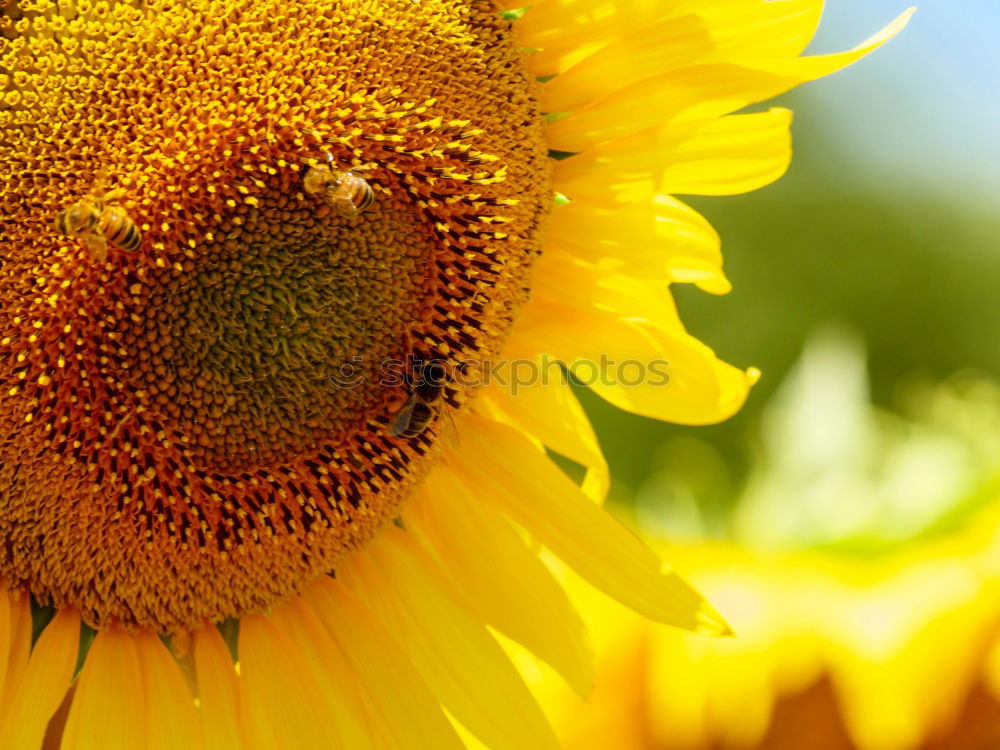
348 193
119 229
421 417
362 195
411 419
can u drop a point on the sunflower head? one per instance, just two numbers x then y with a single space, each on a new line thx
254 259
195 427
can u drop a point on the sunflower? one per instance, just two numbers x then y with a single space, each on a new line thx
874 627
258 260
832 653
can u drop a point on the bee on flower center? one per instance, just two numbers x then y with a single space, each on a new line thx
98 220
420 408
347 193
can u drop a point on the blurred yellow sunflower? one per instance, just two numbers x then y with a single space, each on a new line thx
830 654
872 624
220 221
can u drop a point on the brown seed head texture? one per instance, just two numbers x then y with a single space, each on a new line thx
174 446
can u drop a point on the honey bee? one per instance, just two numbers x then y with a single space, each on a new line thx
347 193
412 418
433 379
416 414
98 221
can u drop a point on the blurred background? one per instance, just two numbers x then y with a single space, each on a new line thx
887 224
844 520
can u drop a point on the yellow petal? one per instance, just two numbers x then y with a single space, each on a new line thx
622 338
333 680
565 32
20 645
698 92
927 619
172 720
109 708
6 632
724 156
481 552
458 658
547 410
404 712
279 704
641 54
44 683
659 239
533 492
568 31
644 94
217 691
758 28
565 24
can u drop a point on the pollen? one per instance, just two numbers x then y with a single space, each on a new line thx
199 425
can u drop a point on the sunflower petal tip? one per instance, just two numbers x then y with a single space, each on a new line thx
715 285
585 688
900 22
711 623
895 26
752 376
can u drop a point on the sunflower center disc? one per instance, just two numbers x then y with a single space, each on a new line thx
198 427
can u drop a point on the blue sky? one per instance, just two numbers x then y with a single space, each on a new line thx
926 107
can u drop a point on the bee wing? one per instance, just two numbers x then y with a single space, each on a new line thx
346 209
401 420
448 432
341 197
